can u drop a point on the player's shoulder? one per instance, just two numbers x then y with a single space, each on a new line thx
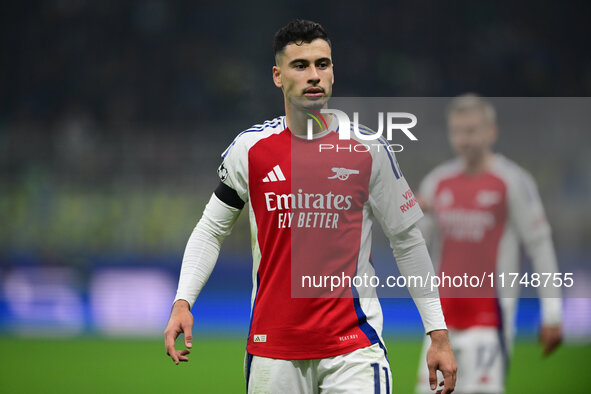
510 171
381 151
519 181
247 138
376 145
445 170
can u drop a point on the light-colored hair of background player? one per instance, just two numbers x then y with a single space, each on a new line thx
472 102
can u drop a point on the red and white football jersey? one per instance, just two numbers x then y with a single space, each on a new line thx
311 210
481 220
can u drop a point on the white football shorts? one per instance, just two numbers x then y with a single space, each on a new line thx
362 371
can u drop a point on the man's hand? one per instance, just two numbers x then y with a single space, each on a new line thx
181 321
550 338
440 357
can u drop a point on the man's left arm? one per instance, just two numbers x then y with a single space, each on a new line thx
394 205
413 260
528 216
543 258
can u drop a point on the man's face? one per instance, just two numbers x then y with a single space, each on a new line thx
470 134
305 73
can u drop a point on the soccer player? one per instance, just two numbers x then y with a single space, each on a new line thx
310 214
483 206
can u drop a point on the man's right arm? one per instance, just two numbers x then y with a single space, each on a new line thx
203 247
200 256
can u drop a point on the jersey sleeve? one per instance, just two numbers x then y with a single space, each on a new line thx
525 208
528 217
233 172
203 248
413 260
390 197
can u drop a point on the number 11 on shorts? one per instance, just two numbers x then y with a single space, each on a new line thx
376 378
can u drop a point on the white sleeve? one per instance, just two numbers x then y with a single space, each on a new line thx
233 171
525 208
390 197
528 217
541 252
203 247
413 259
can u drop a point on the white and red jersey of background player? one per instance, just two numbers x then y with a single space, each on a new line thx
311 212
481 220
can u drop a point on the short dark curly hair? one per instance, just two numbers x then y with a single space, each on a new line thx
298 31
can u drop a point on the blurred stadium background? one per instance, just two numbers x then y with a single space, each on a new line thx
112 119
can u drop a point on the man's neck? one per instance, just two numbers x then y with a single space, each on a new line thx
297 122
480 165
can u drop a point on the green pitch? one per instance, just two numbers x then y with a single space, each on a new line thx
95 365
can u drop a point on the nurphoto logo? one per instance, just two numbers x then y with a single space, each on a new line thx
362 133
345 124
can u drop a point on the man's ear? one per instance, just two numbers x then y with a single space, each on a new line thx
277 76
332 74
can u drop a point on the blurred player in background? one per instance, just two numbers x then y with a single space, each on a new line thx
302 215
483 206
